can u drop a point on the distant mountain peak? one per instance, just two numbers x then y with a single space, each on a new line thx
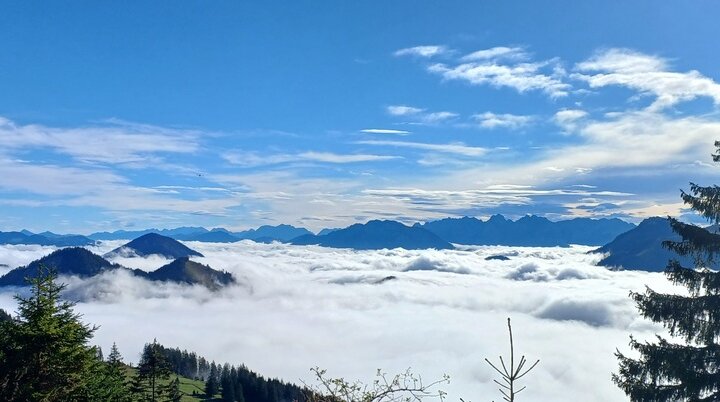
153 243
497 218
641 248
67 261
82 262
185 270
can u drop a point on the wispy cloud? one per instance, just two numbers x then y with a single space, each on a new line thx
546 76
420 115
650 75
510 121
384 131
514 53
454 148
569 119
117 142
422 51
255 159
403 110
509 67
330 157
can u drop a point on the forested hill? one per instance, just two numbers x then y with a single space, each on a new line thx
234 383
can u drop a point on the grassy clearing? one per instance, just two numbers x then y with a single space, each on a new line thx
192 390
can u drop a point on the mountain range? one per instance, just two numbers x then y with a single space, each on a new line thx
377 234
265 233
625 245
527 231
497 230
81 262
44 239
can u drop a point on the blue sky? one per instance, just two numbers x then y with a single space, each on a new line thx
327 113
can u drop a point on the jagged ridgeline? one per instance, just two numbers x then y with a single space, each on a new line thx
377 234
77 261
44 239
252 386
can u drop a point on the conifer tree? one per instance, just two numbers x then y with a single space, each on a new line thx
212 383
227 387
152 370
44 352
173 390
686 366
114 383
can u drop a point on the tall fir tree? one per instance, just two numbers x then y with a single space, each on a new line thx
687 366
173 390
114 383
212 383
44 352
226 384
152 371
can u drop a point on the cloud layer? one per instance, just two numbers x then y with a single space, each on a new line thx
444 311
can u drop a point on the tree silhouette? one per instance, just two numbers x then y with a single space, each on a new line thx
151 371
510 373
44 351
668 370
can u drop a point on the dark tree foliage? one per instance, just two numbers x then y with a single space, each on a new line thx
212 382
227 384
44 352
686 367
152 371
229 381
4 316
173 390
114 382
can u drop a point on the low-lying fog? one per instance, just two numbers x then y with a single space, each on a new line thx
297 307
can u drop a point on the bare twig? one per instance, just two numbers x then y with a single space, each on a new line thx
403 387
514 373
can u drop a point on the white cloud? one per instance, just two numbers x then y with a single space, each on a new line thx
116 142
422 51
384 131
568 119
255 159
436 117
510 121
496 53
55 180
403 110
483 197
21 254
329 157
647 74
420 115
432 312
522 77
454 148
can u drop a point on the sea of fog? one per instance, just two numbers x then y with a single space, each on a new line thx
297 307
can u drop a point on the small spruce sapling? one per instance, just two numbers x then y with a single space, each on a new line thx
511 373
